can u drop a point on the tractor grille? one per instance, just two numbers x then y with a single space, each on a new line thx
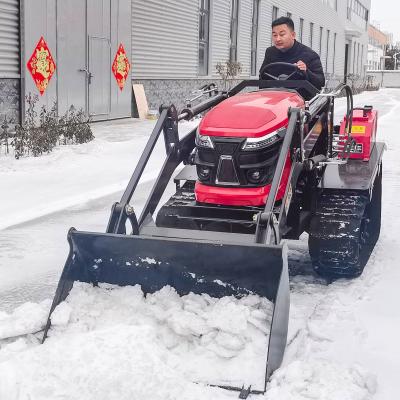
228 165
226 173
226 148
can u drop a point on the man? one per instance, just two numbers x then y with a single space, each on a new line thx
287 49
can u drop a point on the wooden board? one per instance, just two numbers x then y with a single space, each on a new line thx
141 101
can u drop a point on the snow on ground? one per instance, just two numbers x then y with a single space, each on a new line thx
41 198
343 340
343 336
97 368
72 175
25 319
202 339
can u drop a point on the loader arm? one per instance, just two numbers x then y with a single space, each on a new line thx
267 230
177 151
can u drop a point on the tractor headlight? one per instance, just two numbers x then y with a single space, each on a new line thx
203 172
255 176
264 141
204 141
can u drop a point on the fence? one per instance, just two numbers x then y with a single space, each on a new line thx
384 78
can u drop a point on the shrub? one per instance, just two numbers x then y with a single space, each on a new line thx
228 71
74 127
40 134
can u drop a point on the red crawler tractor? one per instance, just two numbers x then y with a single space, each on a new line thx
262 167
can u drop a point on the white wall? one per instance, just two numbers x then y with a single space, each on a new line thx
178 57
165 39
375 57
9 39
322 15
357 37
386 78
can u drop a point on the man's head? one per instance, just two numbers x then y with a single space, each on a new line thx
283 34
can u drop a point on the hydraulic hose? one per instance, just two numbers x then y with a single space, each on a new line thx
189 113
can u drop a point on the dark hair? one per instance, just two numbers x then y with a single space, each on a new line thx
283 21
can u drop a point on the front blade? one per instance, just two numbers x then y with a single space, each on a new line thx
218 269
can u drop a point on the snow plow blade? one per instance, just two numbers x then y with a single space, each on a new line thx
218 269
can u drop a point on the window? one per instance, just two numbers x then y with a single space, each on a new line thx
301 30
358 58
354 57
204 35
357 12
311 33
362 60
234 30
334 52
320 40
254 34
275 11
327 50
331 3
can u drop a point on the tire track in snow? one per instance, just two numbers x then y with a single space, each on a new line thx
329 354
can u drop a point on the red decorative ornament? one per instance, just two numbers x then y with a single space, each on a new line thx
121 67
41 65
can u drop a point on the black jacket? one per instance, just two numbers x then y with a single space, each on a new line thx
314 73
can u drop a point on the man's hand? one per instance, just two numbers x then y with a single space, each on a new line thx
301 66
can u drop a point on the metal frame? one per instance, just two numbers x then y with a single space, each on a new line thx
267 225
178 151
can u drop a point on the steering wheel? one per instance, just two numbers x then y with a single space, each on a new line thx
292 69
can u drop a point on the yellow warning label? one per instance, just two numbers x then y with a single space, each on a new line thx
358 129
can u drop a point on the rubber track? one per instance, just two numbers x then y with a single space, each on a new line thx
335 243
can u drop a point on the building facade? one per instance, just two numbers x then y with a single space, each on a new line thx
174 57
66 53
378 42
10 77
173 46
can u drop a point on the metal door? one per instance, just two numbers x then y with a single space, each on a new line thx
99 76
71 55
84 56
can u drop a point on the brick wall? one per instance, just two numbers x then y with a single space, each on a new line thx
171 91
10 100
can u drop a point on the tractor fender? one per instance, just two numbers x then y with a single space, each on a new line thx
355 174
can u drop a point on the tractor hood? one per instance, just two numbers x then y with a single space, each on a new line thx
250 115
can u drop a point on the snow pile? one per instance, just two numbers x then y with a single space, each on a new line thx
325 339
115 363
112 342
27 318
